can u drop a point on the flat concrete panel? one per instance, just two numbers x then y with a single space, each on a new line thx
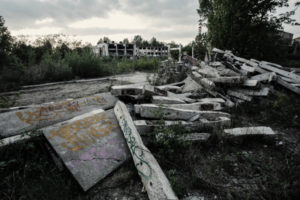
91 146
15 122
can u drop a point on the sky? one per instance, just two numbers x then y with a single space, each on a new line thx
90 20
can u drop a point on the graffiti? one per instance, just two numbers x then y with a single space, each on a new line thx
48 112
112 151
95 100
56 111
136 151
79 134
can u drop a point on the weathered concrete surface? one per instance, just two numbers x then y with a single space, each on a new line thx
15 122
153 177
91 145
146 127
261 130
156 112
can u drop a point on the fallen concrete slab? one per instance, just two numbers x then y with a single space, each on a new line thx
239 95
260 130
16 122
258 93
166 100
153 178
191 85
192 137
157 112
91 146
146 127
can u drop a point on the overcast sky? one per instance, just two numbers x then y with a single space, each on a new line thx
167 20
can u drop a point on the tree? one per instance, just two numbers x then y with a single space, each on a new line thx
5 43
248 28
126 41
137 40
104 39
154 42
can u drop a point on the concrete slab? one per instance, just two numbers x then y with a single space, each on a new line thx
91 146
15 122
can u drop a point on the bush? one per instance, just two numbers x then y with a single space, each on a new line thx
86 64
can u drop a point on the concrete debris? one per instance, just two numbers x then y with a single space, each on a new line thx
191 94
153 177
91 146
166 100
157 112
249 131
18 121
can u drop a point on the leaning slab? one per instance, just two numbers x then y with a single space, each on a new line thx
288 85
261 130
287 74
264 77
15 122
91 146
153 178
191 85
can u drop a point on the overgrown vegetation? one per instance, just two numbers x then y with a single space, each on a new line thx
250 29
28 172
52 59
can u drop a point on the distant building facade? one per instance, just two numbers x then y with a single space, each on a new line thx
129 50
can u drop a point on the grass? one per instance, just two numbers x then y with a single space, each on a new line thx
28 172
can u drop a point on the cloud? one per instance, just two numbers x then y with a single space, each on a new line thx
44 21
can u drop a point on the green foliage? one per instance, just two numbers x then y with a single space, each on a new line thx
177 186
248 28
28 172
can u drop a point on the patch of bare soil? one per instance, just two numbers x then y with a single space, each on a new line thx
58 92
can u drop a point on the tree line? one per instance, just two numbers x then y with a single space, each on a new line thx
251 29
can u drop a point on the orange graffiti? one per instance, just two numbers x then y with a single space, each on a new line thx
95 100
50 112
56 111
82 133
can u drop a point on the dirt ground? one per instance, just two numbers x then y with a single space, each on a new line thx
63 91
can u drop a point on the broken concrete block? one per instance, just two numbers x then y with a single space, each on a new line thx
228 80
262 92
280 71
191 85
15 122
147 126
264 77
192 137
288 86
166 100
247 68
239 95
153 178
91 146
261 130
156 112
250 83
133 89
170 88
202 81
184 97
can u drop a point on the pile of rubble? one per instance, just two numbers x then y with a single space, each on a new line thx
93 141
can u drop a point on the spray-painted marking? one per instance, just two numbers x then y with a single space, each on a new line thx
82 133
56 111
136 151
